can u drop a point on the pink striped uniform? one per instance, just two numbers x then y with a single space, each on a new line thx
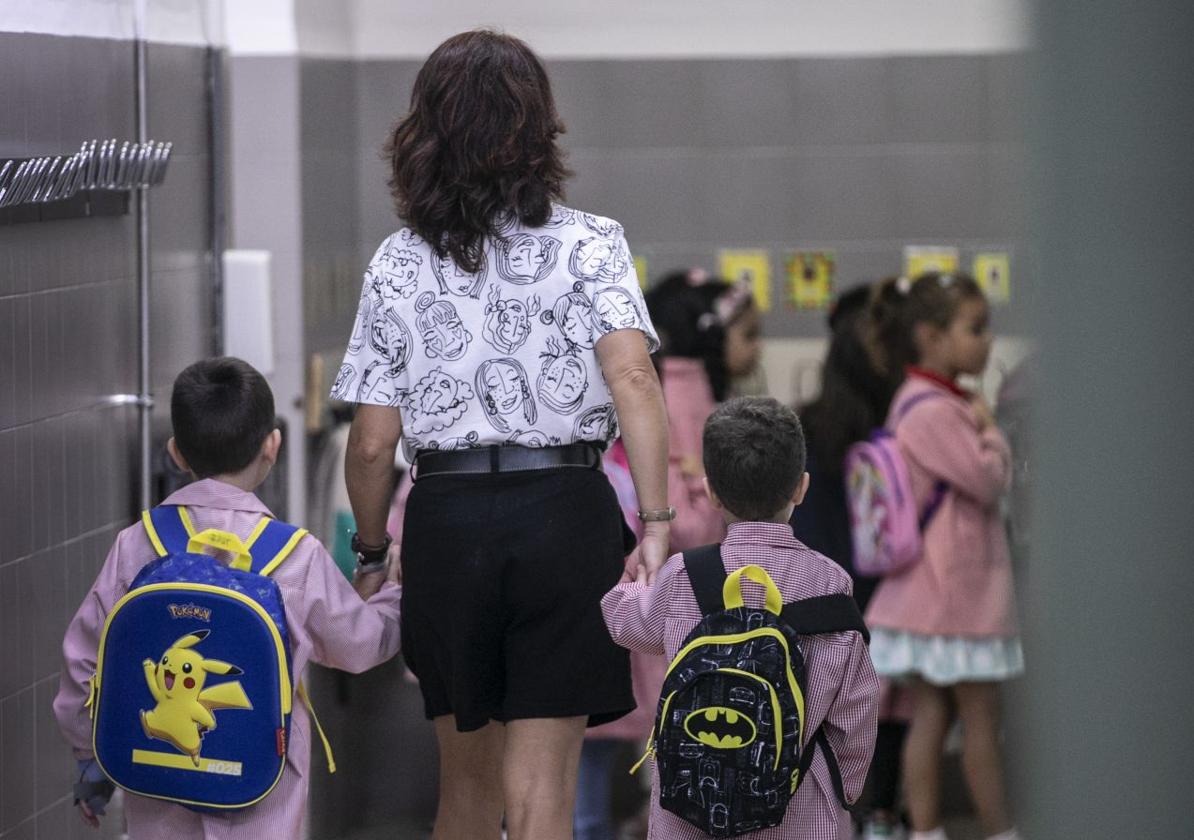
328 623
842 687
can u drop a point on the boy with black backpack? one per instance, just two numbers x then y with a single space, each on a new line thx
766 722
183 675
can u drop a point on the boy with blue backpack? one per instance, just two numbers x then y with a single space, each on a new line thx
766 721
182 680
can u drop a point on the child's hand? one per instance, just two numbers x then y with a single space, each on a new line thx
92 792
394 573
982 412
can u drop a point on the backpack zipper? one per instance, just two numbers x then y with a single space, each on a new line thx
732 638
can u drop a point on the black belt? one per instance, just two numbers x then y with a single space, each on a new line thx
504 459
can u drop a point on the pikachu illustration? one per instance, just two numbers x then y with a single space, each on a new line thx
183 713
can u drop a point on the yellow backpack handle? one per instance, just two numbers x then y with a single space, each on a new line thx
731 591
222 541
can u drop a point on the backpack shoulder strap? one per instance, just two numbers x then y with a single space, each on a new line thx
904 408
271 543
825 614
169 528
835 772
707 575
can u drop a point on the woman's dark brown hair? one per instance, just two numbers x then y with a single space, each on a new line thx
478 146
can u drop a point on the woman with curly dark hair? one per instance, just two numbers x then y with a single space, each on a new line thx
503 338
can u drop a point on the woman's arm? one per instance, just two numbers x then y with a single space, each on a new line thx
638 400
369 468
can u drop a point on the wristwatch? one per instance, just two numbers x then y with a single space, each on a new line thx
370 559
665 515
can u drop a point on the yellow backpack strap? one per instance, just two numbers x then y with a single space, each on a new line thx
327 747
271 542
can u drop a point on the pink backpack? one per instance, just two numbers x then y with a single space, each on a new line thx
885 525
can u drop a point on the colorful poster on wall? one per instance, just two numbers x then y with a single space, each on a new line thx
810 278
752 264
640 268
992 271
919 259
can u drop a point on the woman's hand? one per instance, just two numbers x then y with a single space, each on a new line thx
652 551
368 585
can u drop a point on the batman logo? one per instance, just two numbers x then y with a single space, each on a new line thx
719 727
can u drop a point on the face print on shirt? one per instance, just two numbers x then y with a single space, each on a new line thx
573 315
561 216
533 439
396 273
599 259
599 226
524 258
615 309
452 444
453 280
508 322
389 338
505 394
563 379
360 330
440 327
598 423
436 402
345 379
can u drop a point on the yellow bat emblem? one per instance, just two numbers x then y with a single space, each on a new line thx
721 728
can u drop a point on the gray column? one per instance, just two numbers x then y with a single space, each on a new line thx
1109 596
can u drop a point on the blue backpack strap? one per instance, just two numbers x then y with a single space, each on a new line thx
271 542
169 528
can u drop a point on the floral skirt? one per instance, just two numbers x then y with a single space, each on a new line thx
945 660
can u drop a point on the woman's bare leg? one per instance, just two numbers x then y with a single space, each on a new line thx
470 782
540 767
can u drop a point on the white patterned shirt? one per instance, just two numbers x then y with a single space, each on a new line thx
503 356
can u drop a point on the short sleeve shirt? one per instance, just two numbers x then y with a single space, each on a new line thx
503 356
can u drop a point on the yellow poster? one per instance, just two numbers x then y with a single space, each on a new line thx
754 265
640 268
992 272
920 259
810 278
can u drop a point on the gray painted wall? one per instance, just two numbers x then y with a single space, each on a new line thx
858 155
68 339
1109 631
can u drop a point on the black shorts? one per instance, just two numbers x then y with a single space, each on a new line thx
502 578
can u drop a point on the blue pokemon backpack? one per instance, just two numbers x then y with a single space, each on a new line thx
191 699
730 738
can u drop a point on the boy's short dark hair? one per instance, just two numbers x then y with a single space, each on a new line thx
222 410
754 455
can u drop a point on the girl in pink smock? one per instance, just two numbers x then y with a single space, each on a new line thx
947 624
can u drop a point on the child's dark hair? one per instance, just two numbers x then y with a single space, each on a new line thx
899 304
222 410
478 145
754 455
854 396
683 310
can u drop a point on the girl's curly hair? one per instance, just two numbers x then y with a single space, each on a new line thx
478 147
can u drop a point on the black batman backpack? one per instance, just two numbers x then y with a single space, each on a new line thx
729 737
